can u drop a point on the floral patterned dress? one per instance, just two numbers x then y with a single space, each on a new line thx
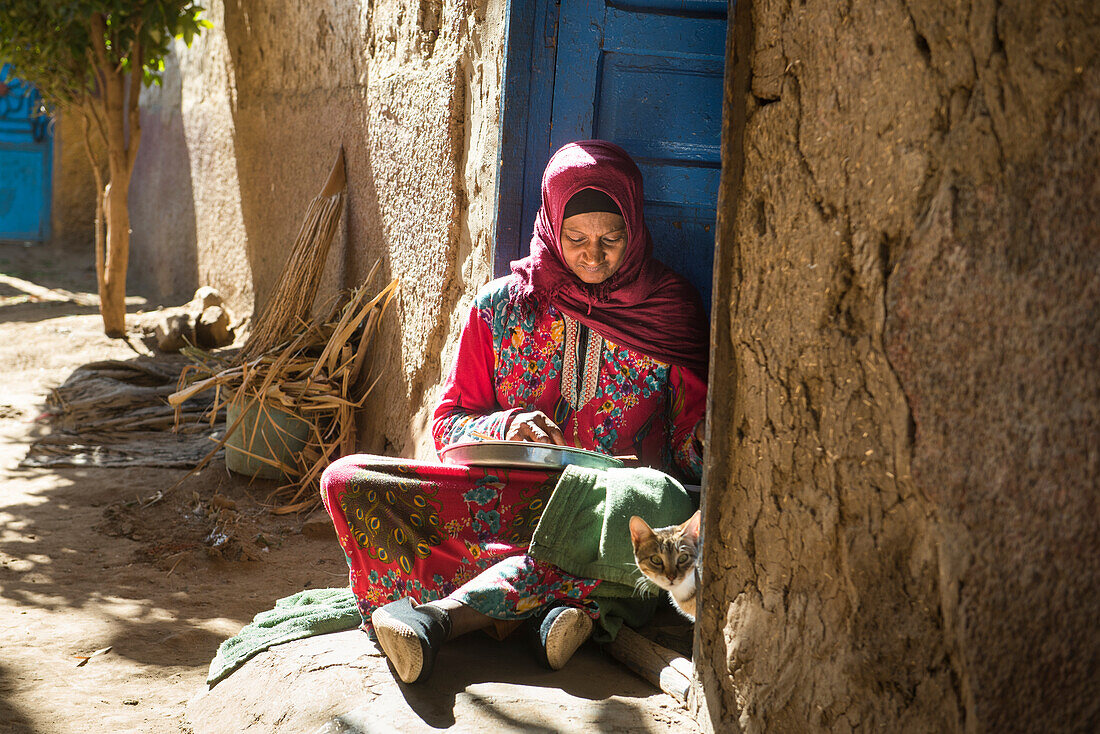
430 530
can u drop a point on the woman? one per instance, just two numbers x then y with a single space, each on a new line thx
589 343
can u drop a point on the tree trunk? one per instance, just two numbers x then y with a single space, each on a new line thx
88 115
115 110
112 291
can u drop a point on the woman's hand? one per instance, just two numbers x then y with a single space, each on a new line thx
535 426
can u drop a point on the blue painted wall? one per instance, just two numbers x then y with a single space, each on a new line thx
26 158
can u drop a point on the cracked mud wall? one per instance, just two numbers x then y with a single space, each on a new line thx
246 126
901 515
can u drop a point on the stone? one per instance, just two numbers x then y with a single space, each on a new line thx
204 298
319 526
173 330
202 321
212 328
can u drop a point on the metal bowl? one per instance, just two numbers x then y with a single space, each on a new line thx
524 455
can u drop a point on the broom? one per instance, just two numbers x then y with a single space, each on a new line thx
319 375
292 301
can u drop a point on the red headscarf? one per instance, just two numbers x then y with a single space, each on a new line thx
644 305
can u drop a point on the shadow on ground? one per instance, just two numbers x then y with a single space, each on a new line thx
88 563
42 311
341 683
12 719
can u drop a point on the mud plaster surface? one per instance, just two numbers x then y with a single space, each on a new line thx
905 483
341 684
243 133
72 214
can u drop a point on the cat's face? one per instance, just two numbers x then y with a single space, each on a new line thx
665 555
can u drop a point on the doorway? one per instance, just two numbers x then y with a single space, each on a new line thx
644 74
26 158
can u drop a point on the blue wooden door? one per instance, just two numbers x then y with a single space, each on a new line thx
645 74
26 157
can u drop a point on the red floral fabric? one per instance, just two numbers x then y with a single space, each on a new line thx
424 530
512 361
429 530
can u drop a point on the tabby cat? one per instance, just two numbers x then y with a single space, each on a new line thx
669 557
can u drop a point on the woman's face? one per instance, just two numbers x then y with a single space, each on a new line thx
593 245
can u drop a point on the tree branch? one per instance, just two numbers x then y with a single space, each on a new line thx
91 106
86 112
100 81
137 74
100 235
99 44
100 64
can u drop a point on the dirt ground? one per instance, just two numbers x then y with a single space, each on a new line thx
88 563
84 566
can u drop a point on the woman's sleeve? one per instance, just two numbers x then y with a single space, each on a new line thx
469 402
687 406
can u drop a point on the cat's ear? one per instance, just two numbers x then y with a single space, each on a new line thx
691 527
639 529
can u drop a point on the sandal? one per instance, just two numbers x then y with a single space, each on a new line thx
410 636
559 633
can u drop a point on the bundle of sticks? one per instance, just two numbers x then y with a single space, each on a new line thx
296 289
310 367
113 413
317 375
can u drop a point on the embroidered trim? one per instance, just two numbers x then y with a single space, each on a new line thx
569 362
590 375
592 362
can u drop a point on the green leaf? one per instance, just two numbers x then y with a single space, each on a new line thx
49 41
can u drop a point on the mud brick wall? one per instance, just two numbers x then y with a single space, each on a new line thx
243 132
905 436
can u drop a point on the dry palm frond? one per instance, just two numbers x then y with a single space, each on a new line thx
292 301
316 374
115 413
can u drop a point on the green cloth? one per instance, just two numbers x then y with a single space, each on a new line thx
585 531
305 614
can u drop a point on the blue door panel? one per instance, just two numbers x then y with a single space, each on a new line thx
653 106
649 77
677 233
645 74
525 130
26 158
664 31
23 177
677 185
707 7
580 38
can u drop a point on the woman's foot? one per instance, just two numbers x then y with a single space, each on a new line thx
410 636
560 633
